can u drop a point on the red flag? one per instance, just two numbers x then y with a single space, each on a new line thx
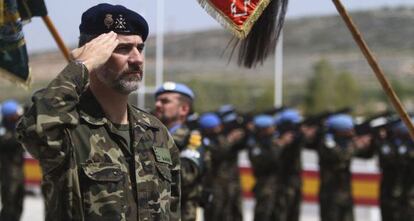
238 16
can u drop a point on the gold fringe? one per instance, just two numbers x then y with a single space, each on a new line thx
222 18
18 81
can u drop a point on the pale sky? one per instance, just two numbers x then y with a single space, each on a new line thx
180 16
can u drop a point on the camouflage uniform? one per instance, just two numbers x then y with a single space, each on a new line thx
11 175
190 176
335 193
89 172
223 180
391 164
265 156
406 149
290 177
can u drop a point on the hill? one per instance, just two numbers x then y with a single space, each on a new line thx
205 56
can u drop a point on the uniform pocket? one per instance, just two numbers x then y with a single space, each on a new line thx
164 171
103 191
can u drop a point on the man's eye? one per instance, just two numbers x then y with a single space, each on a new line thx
122 50
140 48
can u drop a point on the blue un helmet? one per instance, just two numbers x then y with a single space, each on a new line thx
176 88
288 116
263 121
10 108
209 120
340 122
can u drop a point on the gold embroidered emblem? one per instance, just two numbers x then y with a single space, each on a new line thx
108 21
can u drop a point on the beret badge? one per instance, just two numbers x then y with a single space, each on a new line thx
120 22
108 21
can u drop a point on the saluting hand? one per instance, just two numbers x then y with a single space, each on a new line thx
96 52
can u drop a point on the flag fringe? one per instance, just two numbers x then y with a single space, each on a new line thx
25 84
227 23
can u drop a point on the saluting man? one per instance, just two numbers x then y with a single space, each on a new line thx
101 158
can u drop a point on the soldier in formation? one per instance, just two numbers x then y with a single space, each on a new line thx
11 163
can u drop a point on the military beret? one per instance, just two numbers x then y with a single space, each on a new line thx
175 87
209 120
340 122
263 121
290 116
105 17
10 107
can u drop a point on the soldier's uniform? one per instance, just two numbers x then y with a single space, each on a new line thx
191 171
192 155
335 154
405 147
90 171
224 180
291 164
11 171
265 157
391 164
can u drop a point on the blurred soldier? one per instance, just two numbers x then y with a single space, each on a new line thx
335 151
101 158
222 178
11 163
405 146
288 121
174 103
386 146
265 150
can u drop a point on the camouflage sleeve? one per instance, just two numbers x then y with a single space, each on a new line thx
176 180
41 129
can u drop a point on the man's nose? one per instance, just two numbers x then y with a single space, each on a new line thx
136 56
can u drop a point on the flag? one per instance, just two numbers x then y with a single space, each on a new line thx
256 23
30 8
13 52
238 16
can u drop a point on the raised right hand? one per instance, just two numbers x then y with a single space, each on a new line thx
96 52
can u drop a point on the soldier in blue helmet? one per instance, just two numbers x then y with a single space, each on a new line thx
173 105
11 163
265 149
102 158
336 148
289 121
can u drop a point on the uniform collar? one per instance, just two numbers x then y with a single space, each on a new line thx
92 112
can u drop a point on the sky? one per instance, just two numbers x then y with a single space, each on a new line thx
180 16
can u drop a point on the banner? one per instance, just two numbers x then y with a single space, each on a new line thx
30 8
13 53
238 16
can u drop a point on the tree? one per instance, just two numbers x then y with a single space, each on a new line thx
320 89
346 91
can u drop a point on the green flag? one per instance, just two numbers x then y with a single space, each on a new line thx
13 53
30 8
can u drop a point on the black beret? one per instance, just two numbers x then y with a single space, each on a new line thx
104 18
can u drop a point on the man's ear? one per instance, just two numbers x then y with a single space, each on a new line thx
185 109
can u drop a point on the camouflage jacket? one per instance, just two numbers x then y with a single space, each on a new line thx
88 174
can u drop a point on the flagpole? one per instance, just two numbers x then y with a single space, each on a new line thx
56 36
279 72
375 67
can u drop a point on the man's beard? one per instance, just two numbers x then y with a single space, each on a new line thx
127 82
